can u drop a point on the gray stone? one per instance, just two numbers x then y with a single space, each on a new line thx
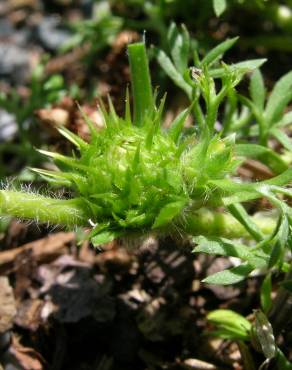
8 126
14 62
51 35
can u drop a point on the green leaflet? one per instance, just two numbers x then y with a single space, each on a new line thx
169 68
230 324
104 237
177 125
76 140
263 154
231 276
168 213
221 246
283 138
286 120
278 99
239 212
219 6
225 247
280 243
180 46
217 52
247 65
257 89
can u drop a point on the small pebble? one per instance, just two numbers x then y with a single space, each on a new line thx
14 62
51 35
8 126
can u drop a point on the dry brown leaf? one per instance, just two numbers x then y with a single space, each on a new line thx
41 248
29 314
7 305
27 357
195 364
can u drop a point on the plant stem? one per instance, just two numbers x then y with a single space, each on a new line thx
141 83
213 223
280 314
72 213
211 115
197 110
246 356
43 209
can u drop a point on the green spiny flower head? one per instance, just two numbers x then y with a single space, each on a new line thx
132 178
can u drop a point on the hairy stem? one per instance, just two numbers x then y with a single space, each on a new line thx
208 222
141 82
42 209
72 213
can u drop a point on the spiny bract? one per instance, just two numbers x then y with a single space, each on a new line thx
133 178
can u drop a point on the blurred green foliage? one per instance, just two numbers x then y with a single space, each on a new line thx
43 90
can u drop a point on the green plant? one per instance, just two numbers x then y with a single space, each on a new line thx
95 33
155 15
132 177
135 177
258 117
43 91
259 333
270 116
207 72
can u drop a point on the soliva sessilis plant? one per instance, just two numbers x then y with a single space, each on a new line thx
135 177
